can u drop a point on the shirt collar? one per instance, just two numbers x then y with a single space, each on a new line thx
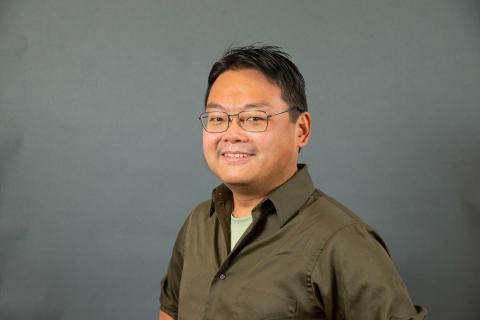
286 199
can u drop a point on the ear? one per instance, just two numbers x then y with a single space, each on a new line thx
303 129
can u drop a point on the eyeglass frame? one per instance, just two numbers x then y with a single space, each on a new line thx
237 116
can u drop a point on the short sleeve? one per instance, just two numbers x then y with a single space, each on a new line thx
355 278
170 284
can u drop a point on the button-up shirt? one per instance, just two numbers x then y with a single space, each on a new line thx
305 256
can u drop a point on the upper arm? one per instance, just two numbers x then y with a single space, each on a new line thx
170 285
356 279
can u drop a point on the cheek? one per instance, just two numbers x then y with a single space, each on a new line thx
283 144
209 145
265 144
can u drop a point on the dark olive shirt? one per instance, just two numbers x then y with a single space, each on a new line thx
305 256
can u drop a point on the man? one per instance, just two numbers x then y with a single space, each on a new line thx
268 245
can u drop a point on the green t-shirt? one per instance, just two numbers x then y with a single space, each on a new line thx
238 227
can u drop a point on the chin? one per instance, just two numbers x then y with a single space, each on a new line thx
234 177
233 174
234 180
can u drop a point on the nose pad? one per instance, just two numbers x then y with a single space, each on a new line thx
235 132
234 119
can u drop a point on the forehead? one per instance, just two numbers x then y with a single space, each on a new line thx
235 88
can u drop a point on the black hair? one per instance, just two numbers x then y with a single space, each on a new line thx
274 64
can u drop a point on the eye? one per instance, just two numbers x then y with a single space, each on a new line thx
216 119
255 119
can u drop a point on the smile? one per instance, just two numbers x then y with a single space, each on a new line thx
236 155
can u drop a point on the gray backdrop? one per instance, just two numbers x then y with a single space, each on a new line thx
100 155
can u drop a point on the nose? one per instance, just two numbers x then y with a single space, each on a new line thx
234 132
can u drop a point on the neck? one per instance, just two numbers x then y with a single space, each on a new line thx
245 198
243 204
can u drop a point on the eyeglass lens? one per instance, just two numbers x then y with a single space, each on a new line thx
218 121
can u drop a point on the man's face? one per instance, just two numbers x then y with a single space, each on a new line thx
252 160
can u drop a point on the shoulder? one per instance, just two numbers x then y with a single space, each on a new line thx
326 213
331 220
201 211
200 220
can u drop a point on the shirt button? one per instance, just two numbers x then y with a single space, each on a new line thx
222 276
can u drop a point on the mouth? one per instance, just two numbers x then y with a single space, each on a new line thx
236 156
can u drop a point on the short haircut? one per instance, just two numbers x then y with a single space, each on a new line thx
274 64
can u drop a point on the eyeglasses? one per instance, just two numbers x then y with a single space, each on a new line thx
251 120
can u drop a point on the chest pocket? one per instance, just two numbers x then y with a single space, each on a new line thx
264 305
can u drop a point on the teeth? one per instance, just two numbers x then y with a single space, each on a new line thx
236 155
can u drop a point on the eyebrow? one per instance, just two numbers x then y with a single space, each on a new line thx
248 106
